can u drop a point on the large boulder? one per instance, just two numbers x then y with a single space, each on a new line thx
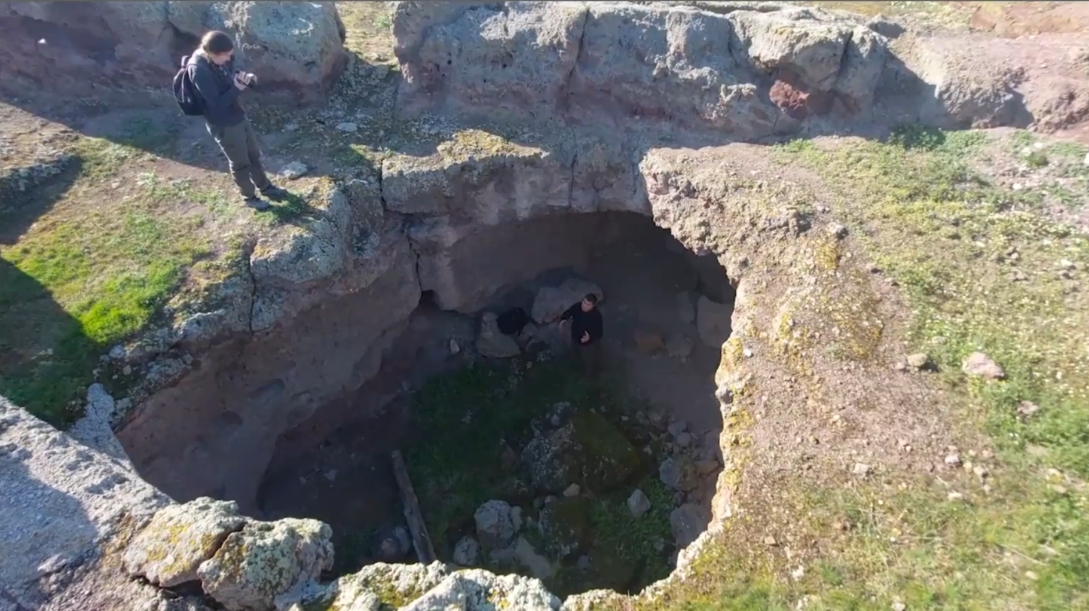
267 560
179 538
564 526
295 48
375 587
517 56
588 451
552 301
477 590
644 63
494 524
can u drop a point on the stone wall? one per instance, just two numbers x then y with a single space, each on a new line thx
111 50
739 70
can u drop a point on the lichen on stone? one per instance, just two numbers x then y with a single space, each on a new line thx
377 587
266 561
170 549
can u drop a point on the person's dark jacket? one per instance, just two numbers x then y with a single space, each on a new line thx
584 322
216 87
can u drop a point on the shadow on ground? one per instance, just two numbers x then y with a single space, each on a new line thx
46 360
21 209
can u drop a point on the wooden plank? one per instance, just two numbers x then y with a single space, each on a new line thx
425 553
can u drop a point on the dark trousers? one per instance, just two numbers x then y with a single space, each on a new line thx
590 356
239 145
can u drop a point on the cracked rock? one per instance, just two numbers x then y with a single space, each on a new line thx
265 561
180 537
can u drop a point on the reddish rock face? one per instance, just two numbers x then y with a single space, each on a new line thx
790 100
796 103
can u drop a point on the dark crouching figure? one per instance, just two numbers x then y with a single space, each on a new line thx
211 70
586 331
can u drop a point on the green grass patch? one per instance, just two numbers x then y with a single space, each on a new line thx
461 421
464 418
97 277
635 542
953 241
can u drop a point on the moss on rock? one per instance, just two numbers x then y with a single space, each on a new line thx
180 537
266 560
563 526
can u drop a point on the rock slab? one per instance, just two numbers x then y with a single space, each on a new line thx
179 538
494 525
265 561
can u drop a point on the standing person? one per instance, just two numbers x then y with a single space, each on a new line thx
586 331
211 68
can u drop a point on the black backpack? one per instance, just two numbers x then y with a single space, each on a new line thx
512 321
185 92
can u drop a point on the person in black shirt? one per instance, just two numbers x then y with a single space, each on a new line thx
586 331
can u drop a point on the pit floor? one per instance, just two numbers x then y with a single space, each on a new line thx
347 480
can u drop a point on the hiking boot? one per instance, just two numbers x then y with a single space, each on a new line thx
258 204
274 193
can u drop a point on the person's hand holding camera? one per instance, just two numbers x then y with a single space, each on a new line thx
244 80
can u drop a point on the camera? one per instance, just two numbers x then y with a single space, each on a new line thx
249 79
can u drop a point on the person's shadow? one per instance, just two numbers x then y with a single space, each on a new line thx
45 357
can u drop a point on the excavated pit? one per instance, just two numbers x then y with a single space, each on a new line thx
301 421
